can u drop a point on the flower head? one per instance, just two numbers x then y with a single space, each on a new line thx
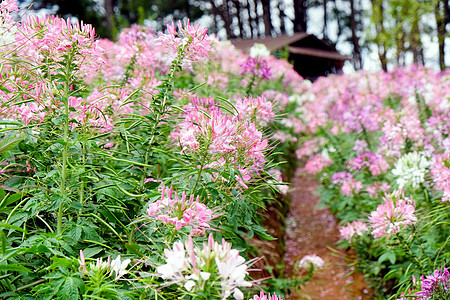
312 260
190 267
437 284
263 296
396 212
441 174
259 50
182 211
257 67
355 227
410 170
191 39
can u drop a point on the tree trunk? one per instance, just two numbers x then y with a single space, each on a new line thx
440 25
357 62
377 7
325 15
416 43
237 5
300 23
109 18
282 17
446 11
250 24
267 18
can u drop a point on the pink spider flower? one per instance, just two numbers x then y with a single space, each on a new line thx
257 110
375 163
192 39
351 187
263 296
435 285
53 39
441 174
316 164
355 227
396 212
182 212
256 66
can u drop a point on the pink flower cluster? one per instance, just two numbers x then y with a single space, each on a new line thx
191 38
316 164
263 296
390 217
349 185
435 286
355 227
256 66
226 140
53 39
441 174
182 212
375 163
377 188
257 110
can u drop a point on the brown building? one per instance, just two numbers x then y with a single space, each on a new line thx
310 56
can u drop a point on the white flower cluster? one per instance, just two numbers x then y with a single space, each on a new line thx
410 170
186 265
116 266
259 50
311 260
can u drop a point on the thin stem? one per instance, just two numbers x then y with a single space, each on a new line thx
199 174
414 256
65 147
83 160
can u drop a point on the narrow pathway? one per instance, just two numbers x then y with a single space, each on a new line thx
310 231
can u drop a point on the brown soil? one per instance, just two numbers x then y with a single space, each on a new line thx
311 231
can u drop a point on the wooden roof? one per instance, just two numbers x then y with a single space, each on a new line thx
272 43
311 46
317 53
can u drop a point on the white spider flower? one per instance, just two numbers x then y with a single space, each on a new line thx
410 170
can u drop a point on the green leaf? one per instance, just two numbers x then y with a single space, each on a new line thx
3 242
14 267
9 142
9 226
390 255
69 289
90 252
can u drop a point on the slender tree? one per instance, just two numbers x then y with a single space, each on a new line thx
300 17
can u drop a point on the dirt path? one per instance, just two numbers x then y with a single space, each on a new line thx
310 231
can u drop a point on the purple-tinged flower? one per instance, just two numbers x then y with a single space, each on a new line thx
263 296
256 66
435 286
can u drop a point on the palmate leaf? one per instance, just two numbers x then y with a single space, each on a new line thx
70 288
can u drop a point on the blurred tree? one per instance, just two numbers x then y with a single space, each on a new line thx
110 16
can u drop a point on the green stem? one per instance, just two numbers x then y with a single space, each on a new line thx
83 160
199 174
425 192
412 255
65 147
